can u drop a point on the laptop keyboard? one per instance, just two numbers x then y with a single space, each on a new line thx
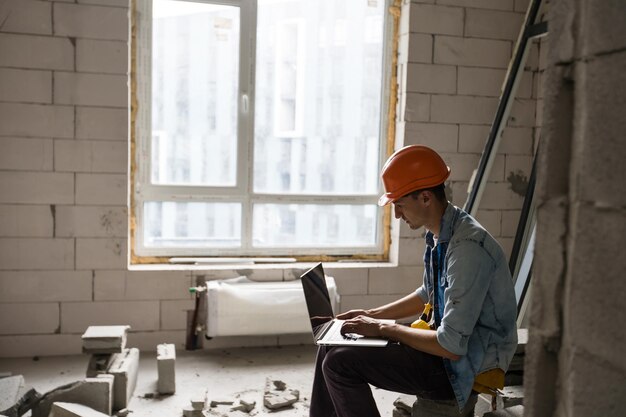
335 333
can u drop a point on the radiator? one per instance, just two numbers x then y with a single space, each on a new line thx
240 307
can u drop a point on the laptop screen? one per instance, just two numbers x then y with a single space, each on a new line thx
317 298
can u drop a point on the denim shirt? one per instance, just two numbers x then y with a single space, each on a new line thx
475 307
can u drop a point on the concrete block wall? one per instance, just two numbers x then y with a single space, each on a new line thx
63 168
575 364
457 54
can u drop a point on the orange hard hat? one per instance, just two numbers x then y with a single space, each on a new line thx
409 169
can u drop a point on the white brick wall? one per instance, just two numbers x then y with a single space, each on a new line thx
101 123
140 315
35 154
27 86
26 221
63 181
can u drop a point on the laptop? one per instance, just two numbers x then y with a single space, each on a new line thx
326 328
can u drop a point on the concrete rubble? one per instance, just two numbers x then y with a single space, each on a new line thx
166 367
279 397
403 406
62 409
96 393
104 339
124 368
15 397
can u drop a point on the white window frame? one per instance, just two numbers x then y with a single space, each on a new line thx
141 190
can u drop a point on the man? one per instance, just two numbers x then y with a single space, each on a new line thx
466 280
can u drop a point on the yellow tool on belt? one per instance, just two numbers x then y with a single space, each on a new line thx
422 322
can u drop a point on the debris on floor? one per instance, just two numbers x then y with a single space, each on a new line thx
279 397
403 406
166 367
62 409
15 397
104 339
96 393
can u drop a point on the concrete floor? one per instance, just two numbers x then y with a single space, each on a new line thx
225 374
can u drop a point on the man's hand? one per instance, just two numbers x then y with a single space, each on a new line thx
362 325
352 314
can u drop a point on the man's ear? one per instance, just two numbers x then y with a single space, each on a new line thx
426 197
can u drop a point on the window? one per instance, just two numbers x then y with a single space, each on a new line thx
259 127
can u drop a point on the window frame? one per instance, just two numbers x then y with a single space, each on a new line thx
141 190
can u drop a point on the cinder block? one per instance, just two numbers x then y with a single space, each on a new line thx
96 393
493 24
521 5
420 48
472 138
490 220
518 164
458 192
27 16
147 341
499 195
101 56
462 165
36 120
523 112
91 221
29 86
101 253
481 81
90 89
104 339
600 161
100 189
601 27
517 140
35 154
140 315
411 251
481 4
10 388
398 280
349 280
510 220
441 137
174 314
91 156
36 188
435 19
350 302
93 22
472 52
44 286
166 367
22 346
101 123
114 3
124 368
429 78
417 107
36 254
142 285
61 409
41 52
25 221
29 318
463 109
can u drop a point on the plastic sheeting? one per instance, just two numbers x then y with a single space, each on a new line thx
241 307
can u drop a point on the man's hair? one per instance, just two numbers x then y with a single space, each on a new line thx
438 191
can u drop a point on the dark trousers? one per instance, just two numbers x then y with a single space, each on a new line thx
342 375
